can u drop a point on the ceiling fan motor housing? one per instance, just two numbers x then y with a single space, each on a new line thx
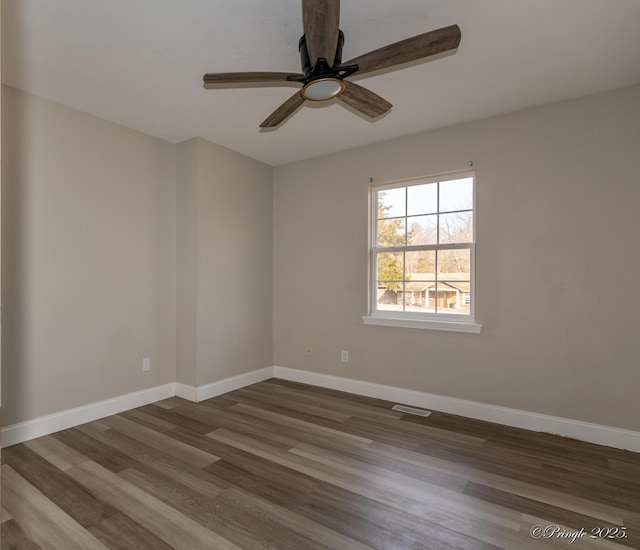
322 81
307 67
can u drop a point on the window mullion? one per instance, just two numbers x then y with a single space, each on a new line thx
419 247
404 253
435 275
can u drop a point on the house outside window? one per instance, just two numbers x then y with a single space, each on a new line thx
422 253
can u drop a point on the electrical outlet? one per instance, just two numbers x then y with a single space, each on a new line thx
146 363
309 351
344 357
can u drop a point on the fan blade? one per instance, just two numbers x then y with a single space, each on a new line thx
245 78
363 100
284 111
418 47
321 19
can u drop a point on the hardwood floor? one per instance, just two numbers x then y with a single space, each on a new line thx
285 465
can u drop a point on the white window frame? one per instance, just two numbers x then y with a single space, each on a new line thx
435 321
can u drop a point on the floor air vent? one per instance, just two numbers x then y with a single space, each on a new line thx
411 410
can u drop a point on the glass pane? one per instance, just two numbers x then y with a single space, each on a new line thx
456 195
390 267
389 296
391 202
453 297
391 232
421 265
422 230
454 264
422 199
416 297
456 228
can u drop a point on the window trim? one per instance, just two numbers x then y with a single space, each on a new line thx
454 322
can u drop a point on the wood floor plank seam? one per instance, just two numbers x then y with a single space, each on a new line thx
42 520
170 525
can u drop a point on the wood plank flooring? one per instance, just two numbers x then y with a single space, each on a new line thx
289 466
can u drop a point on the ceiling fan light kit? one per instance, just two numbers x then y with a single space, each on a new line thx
322 89
321 81
323 41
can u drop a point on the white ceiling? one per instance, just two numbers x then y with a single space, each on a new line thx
140 63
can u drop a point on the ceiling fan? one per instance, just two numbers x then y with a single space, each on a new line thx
324 75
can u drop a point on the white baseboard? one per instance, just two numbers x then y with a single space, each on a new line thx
220 387
190 393
584 431
575 429
45 425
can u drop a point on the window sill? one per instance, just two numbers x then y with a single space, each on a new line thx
429 324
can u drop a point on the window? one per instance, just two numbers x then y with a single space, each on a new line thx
422 253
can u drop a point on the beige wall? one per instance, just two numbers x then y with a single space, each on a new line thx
234 263
557 263
88 270
187 262
119 246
